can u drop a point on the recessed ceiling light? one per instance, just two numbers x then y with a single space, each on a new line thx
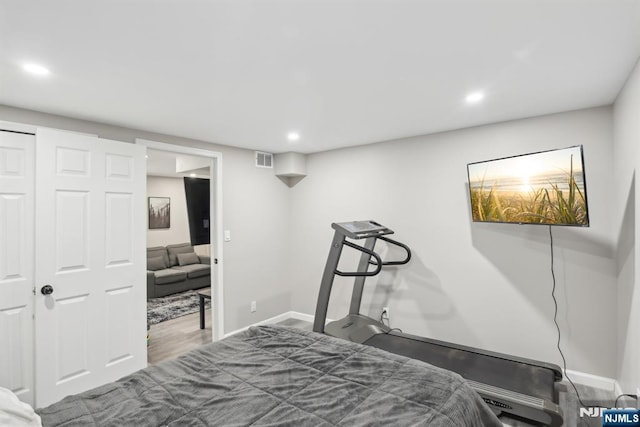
293 136
192 175
36 69
474 97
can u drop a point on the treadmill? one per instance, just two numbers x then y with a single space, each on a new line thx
521 387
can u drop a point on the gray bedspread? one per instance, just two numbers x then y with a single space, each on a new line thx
277 376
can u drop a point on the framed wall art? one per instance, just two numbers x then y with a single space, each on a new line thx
159 212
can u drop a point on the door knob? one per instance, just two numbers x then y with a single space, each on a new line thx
47 290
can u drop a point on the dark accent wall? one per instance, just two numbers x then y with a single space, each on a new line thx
196 191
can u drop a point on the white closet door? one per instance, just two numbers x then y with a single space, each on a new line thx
16 263
90 251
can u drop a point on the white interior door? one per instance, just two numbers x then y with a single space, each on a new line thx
16 263
90 201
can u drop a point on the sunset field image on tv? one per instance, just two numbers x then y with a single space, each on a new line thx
546 187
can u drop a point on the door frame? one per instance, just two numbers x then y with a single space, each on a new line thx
215 206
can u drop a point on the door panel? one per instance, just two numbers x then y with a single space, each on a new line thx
72 327
120 308
120 228
16 263
90 195
71 226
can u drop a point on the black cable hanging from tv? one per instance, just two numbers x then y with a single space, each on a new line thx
555 320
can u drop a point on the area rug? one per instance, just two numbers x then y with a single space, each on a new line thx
172 306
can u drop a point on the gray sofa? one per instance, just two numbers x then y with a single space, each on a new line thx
176 268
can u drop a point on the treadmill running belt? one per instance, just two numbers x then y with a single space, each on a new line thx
503 373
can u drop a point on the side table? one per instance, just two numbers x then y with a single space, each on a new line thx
202 295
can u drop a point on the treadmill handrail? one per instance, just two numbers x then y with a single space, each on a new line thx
396 243
378 263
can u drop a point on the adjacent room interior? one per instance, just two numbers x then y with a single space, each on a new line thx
179 185
316 114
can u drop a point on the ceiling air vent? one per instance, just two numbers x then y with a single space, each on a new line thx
264 160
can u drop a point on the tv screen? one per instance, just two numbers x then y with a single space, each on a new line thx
196 191
547 187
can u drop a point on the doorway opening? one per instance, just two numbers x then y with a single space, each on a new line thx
171 171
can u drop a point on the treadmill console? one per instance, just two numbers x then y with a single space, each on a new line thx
361 229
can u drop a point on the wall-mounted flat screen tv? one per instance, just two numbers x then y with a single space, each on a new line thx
547 188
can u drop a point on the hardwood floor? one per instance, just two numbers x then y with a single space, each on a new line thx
172 338
177 336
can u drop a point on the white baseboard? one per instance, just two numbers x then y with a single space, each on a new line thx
617 390
301 316
277 319
595 381
270 321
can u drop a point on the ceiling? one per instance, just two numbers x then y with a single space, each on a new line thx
246 73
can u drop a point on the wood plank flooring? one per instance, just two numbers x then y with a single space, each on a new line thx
174 337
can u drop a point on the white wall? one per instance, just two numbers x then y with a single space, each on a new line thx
626 139
484 285
178 232
255 210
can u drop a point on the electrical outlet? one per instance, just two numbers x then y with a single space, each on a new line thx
253 307
385 313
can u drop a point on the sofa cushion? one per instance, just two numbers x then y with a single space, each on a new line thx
195 270
156 263
174 250
169 275
157 251
188 258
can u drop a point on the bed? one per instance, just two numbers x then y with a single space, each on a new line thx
279 376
